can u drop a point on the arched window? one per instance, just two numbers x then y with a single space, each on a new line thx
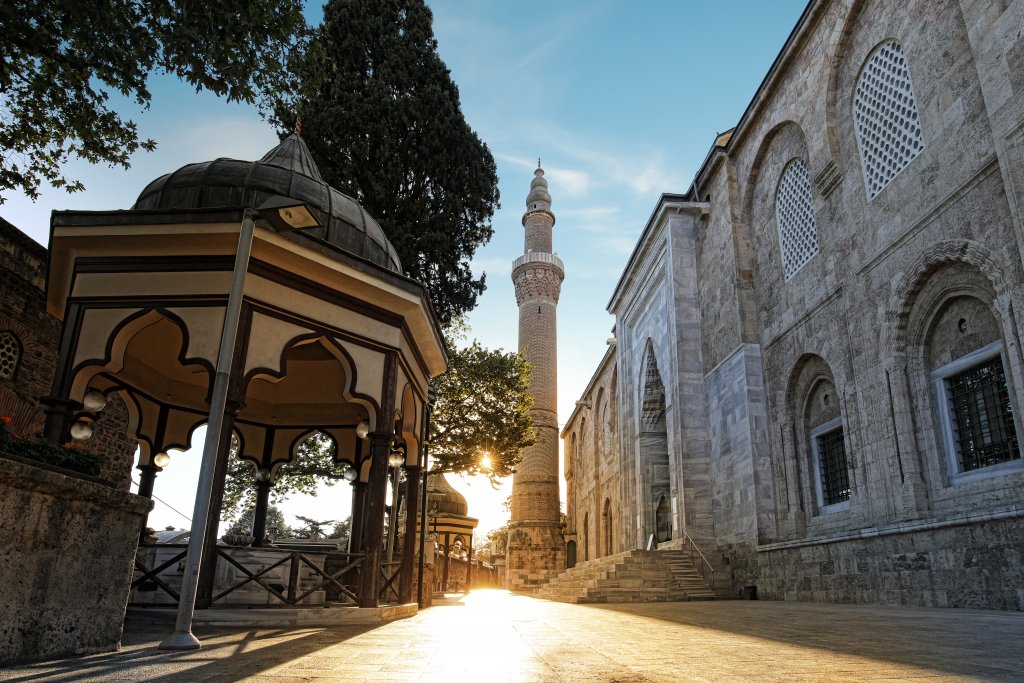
607 522
885 117
794 214
10 354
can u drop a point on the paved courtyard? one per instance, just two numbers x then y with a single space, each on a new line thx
493 636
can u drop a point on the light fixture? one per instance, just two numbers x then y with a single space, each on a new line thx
82 430
363 429
162 460
285 214
263 474
350 474
94 400
396 458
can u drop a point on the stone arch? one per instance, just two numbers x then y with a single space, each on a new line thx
927 262
654 472
957 321
11 350
779 131
840 50
822 476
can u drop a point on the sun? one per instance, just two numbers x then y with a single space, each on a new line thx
485 460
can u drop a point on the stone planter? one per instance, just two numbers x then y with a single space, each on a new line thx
67 544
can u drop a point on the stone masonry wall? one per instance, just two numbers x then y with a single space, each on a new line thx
23 265
66 551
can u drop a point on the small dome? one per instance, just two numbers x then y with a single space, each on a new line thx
448 500
538 199
289 171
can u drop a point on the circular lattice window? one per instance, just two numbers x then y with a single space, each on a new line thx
10 354
794 213
885 117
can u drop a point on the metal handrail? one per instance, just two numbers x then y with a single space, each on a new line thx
693 546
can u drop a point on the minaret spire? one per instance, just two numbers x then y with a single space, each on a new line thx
536 549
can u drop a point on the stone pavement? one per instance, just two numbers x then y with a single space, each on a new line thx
494 637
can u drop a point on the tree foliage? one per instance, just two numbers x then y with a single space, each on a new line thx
313 465
276 526
483 408
382 119
61 60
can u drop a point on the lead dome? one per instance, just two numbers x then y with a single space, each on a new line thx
288 170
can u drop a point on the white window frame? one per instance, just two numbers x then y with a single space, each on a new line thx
945 415
821 430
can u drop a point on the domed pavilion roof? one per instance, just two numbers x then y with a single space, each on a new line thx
448 500
287 171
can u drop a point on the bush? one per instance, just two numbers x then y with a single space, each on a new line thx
40 450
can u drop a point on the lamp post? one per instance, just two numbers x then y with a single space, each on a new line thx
395 460
282 214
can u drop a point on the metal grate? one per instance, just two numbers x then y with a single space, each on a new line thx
885 117
835 480
794 213
982 416
10 353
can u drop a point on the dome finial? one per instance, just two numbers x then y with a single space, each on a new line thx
298 125
538 162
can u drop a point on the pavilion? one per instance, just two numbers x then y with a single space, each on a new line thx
323 331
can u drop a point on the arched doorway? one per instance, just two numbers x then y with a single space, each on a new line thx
663 520
570 554
654 461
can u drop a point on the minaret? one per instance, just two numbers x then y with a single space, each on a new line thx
536 548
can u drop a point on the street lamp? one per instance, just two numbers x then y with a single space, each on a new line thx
282 214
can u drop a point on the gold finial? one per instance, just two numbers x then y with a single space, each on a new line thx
298 125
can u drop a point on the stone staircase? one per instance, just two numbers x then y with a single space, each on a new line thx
633 576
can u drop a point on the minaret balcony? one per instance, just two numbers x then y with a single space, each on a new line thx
534 257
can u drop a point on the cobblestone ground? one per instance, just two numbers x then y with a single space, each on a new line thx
492 636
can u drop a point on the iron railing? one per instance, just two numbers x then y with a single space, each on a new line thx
694 549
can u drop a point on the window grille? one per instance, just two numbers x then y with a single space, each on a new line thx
794 213
834 478
885 117
982 417
10 354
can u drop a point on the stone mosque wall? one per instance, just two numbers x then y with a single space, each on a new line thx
29 340
834 312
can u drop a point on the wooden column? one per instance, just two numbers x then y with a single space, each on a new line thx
373 525
447 561
412 492
469 565
355 531
208 567
259 518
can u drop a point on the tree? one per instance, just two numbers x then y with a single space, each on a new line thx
341 530
61 60
497 540
313 530
313 465
276 525
382 119
482 410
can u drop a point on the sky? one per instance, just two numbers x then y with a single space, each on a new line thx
621 101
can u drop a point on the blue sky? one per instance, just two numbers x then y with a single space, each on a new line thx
620 99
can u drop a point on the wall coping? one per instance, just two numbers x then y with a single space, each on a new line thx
29 476
1016 511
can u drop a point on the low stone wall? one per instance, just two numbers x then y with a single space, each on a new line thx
977 565
66 552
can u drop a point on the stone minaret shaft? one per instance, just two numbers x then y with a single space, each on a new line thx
536 547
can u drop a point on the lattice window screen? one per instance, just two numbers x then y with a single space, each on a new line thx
794 214
10 354
885 117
